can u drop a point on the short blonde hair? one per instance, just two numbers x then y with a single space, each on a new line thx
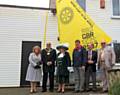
36 47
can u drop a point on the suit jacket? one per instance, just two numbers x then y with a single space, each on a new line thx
94 59
62 64
48 57
110 57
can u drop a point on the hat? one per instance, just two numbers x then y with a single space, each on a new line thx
63 45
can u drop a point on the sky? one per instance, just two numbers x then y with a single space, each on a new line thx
31 3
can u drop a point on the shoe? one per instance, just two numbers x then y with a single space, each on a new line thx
94 89
59 90
82 90
77 91
63 91
51 90
105 91
31 92
87 90
35 91
44 90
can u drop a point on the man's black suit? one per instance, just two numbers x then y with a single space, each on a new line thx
48 56
90 69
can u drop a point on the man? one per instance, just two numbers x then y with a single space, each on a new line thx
48 58
90 68
106 60
79 60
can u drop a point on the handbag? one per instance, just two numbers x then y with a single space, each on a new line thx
37 67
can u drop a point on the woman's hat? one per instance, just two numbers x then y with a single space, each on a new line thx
63 45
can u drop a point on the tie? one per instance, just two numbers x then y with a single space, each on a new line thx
90 55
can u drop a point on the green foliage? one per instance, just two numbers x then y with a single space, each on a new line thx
115 88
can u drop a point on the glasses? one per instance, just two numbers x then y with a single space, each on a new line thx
103 43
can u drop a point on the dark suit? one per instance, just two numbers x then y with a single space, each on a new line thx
90 69
48 56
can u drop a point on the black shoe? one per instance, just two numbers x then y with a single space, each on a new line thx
51 90
105 91
44 90
87 90
82 90
77 91
59 91
94 89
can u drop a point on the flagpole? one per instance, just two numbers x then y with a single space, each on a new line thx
45 30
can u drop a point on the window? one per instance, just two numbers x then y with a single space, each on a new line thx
116 8
82 3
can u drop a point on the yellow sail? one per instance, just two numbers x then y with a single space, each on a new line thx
74 23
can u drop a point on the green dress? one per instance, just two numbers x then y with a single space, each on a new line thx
62 71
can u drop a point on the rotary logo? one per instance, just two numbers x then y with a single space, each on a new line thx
66 15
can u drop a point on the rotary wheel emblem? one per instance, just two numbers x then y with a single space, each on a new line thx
66 15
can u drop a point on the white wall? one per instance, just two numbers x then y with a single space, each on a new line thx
17 25
102 18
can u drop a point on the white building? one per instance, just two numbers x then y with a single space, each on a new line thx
21 26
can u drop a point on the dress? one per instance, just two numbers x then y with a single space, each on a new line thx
33 74
62 71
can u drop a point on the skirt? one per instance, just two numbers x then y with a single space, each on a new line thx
62 79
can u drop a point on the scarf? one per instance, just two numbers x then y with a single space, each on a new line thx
78 48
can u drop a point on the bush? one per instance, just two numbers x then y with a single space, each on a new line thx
115 88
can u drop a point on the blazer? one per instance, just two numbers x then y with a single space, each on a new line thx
48 57
110 57
94 59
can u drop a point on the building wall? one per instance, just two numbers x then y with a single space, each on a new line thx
52 30
103 17
17 25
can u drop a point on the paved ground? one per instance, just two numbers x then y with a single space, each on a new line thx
25 91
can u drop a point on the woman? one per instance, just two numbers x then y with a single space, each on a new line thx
34 69
63 62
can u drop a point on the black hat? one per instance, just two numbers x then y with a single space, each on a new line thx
64 46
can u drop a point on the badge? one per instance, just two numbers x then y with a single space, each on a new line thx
48 53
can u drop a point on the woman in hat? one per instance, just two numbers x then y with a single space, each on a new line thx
63 62
34 69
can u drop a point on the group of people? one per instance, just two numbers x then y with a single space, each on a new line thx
83 64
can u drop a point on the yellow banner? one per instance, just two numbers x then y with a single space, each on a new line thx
74 24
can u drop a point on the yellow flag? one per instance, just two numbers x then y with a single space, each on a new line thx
74 24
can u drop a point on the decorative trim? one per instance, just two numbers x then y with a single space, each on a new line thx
24 7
